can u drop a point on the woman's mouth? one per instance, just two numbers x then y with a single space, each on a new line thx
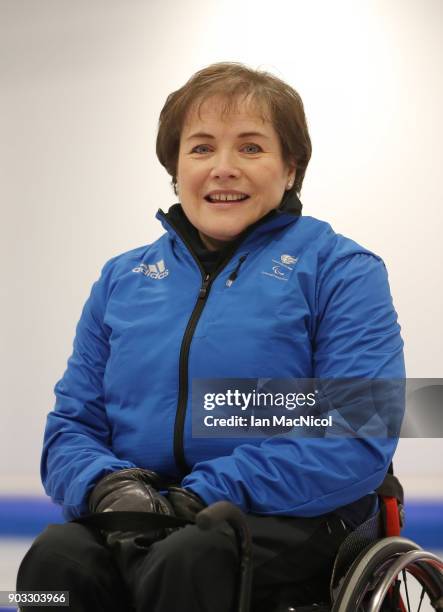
226 198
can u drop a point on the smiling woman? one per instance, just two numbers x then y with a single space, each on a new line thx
240 286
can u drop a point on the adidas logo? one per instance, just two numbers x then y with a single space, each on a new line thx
155 271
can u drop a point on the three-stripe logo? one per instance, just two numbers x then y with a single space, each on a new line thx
156 271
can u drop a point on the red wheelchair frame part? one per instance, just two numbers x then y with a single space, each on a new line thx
391 516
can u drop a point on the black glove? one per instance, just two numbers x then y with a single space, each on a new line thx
129 490
185 503
132 489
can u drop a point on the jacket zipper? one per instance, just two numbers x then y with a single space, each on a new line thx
183 383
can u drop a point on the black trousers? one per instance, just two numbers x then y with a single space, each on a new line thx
188 571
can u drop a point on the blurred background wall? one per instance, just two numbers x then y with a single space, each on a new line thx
82 84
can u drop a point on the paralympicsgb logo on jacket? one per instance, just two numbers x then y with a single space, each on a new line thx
282 267
156 271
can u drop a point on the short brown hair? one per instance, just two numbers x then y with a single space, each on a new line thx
231 80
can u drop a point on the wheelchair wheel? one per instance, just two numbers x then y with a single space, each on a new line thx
392 575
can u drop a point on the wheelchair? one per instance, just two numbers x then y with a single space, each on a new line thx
375 570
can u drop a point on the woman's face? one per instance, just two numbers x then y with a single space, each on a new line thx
222 160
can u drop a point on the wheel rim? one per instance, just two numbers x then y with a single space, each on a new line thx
425 568
359 579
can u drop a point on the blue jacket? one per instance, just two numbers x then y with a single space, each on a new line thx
153 323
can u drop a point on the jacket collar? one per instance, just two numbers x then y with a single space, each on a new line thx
290 204
210 262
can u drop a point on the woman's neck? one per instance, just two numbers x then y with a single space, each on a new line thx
212 244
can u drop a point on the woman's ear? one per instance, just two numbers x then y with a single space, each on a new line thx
292 172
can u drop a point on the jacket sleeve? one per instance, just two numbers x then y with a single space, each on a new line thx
77 442
356 335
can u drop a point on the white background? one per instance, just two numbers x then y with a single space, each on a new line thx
82 84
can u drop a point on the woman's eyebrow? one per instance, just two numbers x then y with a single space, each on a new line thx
242 135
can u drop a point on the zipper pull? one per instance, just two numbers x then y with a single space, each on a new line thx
234 274
204 288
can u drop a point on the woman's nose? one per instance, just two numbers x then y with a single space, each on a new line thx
224 166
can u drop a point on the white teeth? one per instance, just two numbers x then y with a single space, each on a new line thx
222 197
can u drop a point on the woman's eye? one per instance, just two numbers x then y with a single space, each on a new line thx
200 149
252 148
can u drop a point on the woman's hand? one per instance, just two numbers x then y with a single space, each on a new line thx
185 503
130 490
133 489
